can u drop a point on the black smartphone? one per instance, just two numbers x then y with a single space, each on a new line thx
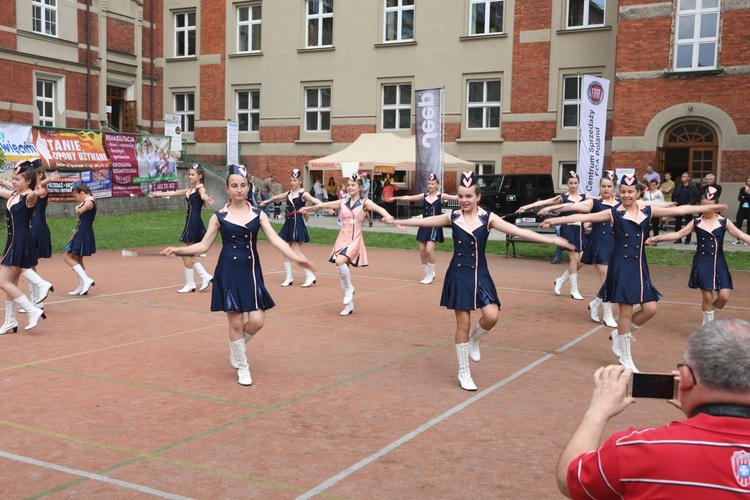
652 385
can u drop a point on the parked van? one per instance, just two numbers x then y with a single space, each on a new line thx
504 194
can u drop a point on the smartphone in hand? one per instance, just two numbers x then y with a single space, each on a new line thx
652 385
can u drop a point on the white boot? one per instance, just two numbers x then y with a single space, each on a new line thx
232 359
189 281
10 318
84 281
34 312
594 307
614 337
309 279
574 287
348 309
289 277
32 296
42 287
626 358
464 373
559 282
429 274
205 277
708 316
346 280
243 369
475 334
608 318
77 291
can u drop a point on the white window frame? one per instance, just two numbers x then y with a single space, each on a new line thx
399 8
586 21
701 17
184 32
487 29
253 113
45 100
485 105
318 18
44 13
576 102
320 110
562 173
187 116
485 168
251 26
398 107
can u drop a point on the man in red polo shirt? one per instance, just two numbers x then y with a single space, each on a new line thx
705 456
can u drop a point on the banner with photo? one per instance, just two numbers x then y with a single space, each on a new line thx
17 144
70 150
141 164
428 137
593 125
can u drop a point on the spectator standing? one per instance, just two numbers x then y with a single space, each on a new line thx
266 191
684 194
700 457
319 191
667 189
278 189
650 175
743 211
654 194
710 180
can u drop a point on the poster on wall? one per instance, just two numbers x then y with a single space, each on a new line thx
173 130
17 144
141 164
67 150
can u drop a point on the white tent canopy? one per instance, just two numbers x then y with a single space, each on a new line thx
384 150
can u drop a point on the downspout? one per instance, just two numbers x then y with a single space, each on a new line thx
153 66
88 66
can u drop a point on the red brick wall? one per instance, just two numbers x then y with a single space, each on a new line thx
530 60
527 164
528 131
349 133
734 166
120 35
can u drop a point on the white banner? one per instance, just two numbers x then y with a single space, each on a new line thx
429 137
233 149
593 125
173 130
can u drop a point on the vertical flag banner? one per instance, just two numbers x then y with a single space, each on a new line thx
593 125
428 137
233 148
173 130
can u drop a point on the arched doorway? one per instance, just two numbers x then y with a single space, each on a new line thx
692 147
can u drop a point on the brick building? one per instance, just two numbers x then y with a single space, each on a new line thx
303 78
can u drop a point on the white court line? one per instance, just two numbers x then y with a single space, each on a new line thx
419 430
89 475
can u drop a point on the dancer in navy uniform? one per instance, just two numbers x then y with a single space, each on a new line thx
468 285
238 278
39 287
572 232
294 230
628 281
194 231
20 251
82 243
600 243
432 203
710 272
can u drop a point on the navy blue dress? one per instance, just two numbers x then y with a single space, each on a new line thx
628 280
710 270
83 242
40 229
20 250
194 227
600 242
468 284
294 228
430 209
573 232
238 278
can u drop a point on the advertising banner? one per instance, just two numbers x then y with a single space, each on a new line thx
17 144
233 148
173 130
141 164
593 125
428 137
67 150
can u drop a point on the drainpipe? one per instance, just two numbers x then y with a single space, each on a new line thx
88 66
153 65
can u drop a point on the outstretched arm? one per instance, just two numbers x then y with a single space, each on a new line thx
671 236
277 197
204 196
657 211
435 221
196 248
540 203
449 197
584 206
737 232
568 219
281 245
413 197
498 223
374 207
167 194
329 204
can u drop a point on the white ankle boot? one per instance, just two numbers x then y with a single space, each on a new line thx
626 358
77 291
614 336
189 281
594 307
11 324
708 316
289 277
32 311
205 277
559 282
232 359
574 287
309 279
349 309
243 369
608 318
475 334
429 274
464 373
42 288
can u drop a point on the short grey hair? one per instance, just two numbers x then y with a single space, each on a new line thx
719 353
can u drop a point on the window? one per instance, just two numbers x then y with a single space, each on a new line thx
319 23
184 34
585 13
697 37
318 109
396 107
485 168
562 175
184 105
571 100
486 17
483 104
44 17
248 110
248 28
399 20
45 102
